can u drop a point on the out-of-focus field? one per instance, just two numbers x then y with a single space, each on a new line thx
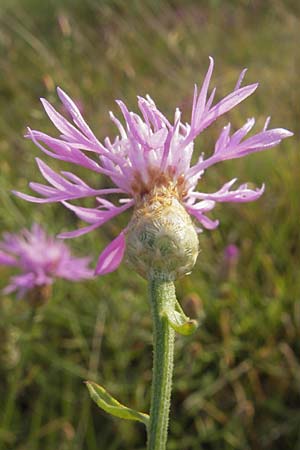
236 382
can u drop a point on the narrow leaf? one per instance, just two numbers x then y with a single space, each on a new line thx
110 405
180 322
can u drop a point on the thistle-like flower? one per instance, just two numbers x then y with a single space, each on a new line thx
40 259
149 163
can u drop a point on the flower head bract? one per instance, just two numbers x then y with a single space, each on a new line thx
149 154
40 259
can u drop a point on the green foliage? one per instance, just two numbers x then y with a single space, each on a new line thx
179 321
112 406
236 381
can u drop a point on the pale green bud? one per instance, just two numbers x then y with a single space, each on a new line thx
161 240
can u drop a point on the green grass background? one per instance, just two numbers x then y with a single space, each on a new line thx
237 380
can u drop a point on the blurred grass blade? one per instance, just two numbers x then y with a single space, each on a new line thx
110 405
180 322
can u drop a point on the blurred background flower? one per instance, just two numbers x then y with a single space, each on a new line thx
231 253
40 259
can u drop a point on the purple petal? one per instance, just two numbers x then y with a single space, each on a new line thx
90 215
157 139
75 269
79 232
204 205
223 139
241 133
210 100
111 256
7 260
64 151
132 126
21 283
63 189
240 79
268 119
42 189
198 109
75 179
229 102
52 177
233 149
204 220
62 124
263 140
240 195
76 115
31 198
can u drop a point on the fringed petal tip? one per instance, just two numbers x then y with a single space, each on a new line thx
261 190
28 133
60 91
112 256
209 224
285 133
25 196
32 199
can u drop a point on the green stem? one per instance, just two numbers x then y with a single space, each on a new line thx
162 294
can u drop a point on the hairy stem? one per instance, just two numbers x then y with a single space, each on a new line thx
162 294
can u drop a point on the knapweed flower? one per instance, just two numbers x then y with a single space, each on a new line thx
149 163
229 264
40 259
231 253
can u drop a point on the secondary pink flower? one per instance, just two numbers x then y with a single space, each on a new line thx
149 152
40 259
231 253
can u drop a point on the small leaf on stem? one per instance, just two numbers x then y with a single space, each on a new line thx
110 405
180 322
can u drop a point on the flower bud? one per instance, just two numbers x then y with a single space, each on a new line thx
161 240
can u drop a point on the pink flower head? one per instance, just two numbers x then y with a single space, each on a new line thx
41 259
231 253
149 151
